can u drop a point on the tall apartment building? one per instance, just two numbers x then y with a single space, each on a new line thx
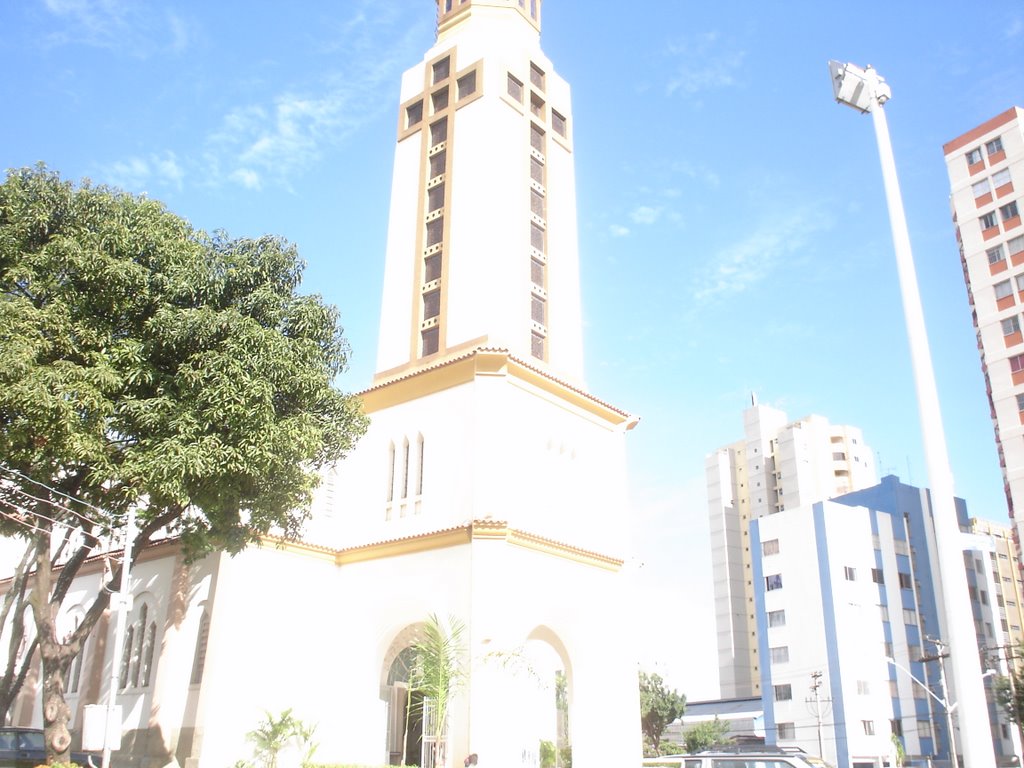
778 465
986 176
1007 586
841 588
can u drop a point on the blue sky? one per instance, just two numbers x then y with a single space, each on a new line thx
733 231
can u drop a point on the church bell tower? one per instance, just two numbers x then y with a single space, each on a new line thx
491 485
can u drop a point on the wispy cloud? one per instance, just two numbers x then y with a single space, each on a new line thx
645 214
146 173
703 64
269 142
746 263
617 230
1014 28
132 28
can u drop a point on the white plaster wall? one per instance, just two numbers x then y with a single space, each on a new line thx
493 449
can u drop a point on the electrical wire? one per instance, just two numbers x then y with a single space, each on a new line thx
58 505
103 513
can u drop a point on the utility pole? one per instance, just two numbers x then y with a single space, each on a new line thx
943 654
817 703
123 603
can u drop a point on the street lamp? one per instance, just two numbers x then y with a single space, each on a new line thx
866 92
944 701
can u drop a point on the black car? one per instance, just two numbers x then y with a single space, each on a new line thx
26 748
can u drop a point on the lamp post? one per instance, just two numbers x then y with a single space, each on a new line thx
866 92
944 701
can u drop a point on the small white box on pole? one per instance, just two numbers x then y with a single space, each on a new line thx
95 725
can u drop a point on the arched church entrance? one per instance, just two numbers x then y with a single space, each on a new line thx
405 719
547 702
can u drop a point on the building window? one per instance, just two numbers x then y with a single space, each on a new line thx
1020 403
863 688
924 729
537 345
536 170
419 470
431 304
536 106
883 612
1017 363
558 123
537 139
537 272
910 617
405 469
1015 245
430 339
1001 178
432 268
786 731
980 188
773 582
868 726
1008 211
994 146
770 547
995 255
442 68
537 207
538 309
537 238
199 658
850 573
894 689
906 582
413 114
1011 325
391 473
779 654
988 220
974 156
1002 289
877 576
438 132
437 164
439 100
776 618
896 726
515 88
783 692
435 231
536 76
467 85
435 198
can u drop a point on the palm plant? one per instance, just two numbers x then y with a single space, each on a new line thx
438 671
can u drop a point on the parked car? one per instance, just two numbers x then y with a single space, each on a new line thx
731 760
26 748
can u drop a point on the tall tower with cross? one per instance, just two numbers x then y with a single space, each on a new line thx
491 485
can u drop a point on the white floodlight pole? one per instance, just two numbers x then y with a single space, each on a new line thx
864 90
123 601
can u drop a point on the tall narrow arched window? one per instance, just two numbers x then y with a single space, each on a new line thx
391 472
148 649
136 652
405 469
419 468
126 655
199 660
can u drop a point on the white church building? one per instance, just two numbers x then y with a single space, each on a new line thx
490 486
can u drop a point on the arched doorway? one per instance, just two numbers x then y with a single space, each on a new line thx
546 701
405 720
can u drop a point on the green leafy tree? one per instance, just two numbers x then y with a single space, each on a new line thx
710 733
438 672
1010 695
273 734
149 366
658 708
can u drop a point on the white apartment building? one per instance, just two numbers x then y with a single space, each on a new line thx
778 465
986 175
842 587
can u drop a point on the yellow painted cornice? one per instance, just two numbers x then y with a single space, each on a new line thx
481 362
477 530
